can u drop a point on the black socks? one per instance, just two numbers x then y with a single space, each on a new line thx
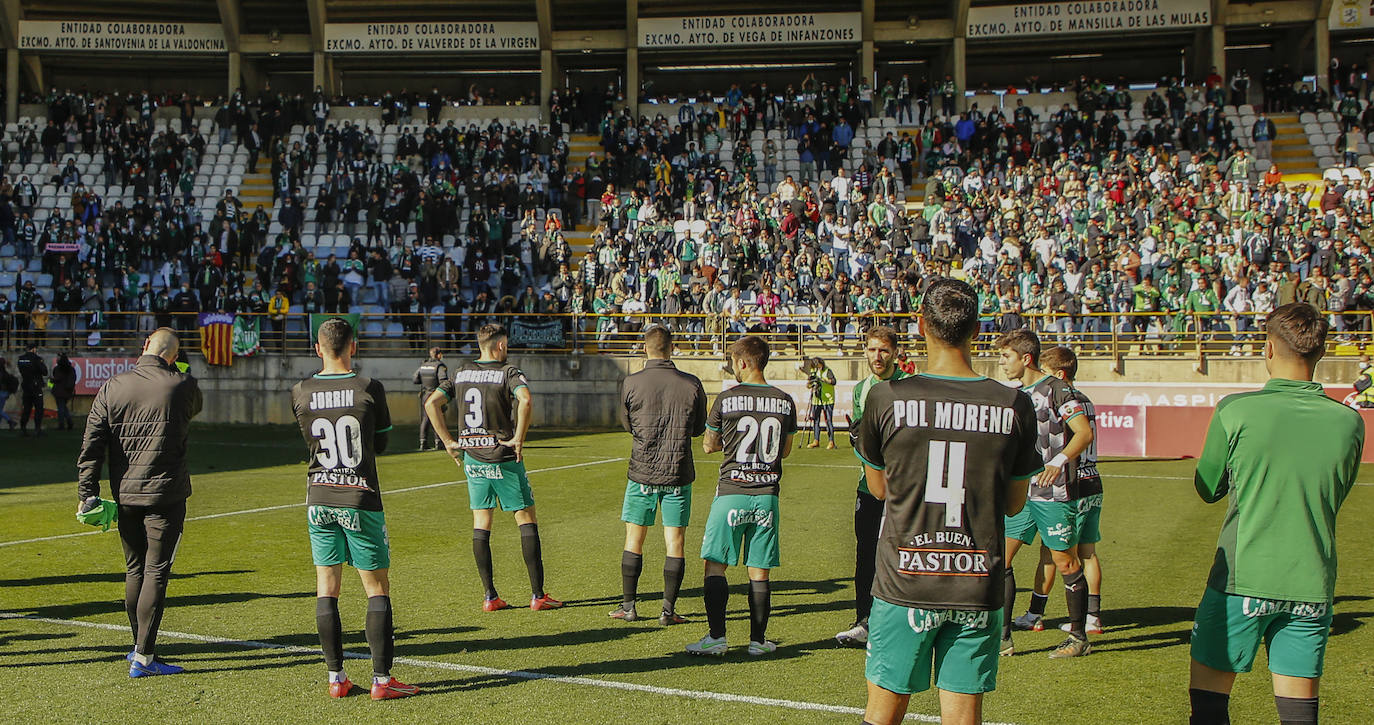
673 569
331 632
1038 602
1008 602
1076 595
1297 710
1095 605
759 606
380 635
631 564
1209 708
481 551
717 592
534 557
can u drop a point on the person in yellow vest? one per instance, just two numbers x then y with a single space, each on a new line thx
820 380
1364 384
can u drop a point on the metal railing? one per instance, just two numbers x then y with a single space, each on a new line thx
1110 335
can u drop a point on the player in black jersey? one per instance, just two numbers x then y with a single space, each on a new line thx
950 452
495 408
753 423
345 420
1062 363
1063 434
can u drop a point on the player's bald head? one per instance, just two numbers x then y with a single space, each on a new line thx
164 343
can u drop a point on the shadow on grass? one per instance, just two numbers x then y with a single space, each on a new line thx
103 577
111 606
214 448
656 664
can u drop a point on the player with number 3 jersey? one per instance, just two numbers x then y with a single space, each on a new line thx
753 424
494 410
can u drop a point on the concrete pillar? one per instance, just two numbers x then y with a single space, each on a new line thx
1219 51
235 72
12 85
958 62
632 54
321 71
1321 41
866 67
547 81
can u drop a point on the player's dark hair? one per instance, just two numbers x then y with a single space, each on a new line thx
434 352
950 311
1301 329
884 333
1060 358
490 333
751 349
1022 342
334 336
658 340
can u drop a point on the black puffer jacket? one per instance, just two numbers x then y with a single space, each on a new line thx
664 409
139 422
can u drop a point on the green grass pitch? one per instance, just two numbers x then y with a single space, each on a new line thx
248 577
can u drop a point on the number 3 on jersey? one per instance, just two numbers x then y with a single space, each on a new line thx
473 418
340 441
945 479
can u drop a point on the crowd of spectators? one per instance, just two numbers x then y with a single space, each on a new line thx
1061 220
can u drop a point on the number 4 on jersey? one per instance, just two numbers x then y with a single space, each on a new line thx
945 479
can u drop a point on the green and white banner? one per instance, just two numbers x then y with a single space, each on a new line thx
247 335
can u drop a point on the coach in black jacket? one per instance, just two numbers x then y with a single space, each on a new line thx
663 408
139 423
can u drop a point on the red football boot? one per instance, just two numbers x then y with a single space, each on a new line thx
393 689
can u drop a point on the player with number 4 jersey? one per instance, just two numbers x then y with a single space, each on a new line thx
753 423
949 451
494 409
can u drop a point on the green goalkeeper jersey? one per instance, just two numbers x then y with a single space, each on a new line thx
1288 456
860 395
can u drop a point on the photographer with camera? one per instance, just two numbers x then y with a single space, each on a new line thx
820 380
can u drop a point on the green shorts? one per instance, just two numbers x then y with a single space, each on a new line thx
1087 520
642 504
344 535
905 645
1228 629
742 527
1020 527
1055 522
493 483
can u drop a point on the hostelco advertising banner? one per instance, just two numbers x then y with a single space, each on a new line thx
770 29
1085 16
438 37
125 36
92 372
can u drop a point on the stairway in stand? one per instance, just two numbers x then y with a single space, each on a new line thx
256 189
579 147
1292 150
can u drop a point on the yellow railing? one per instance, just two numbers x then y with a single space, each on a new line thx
1114 335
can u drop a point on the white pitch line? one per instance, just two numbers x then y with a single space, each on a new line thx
493 671
300 505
